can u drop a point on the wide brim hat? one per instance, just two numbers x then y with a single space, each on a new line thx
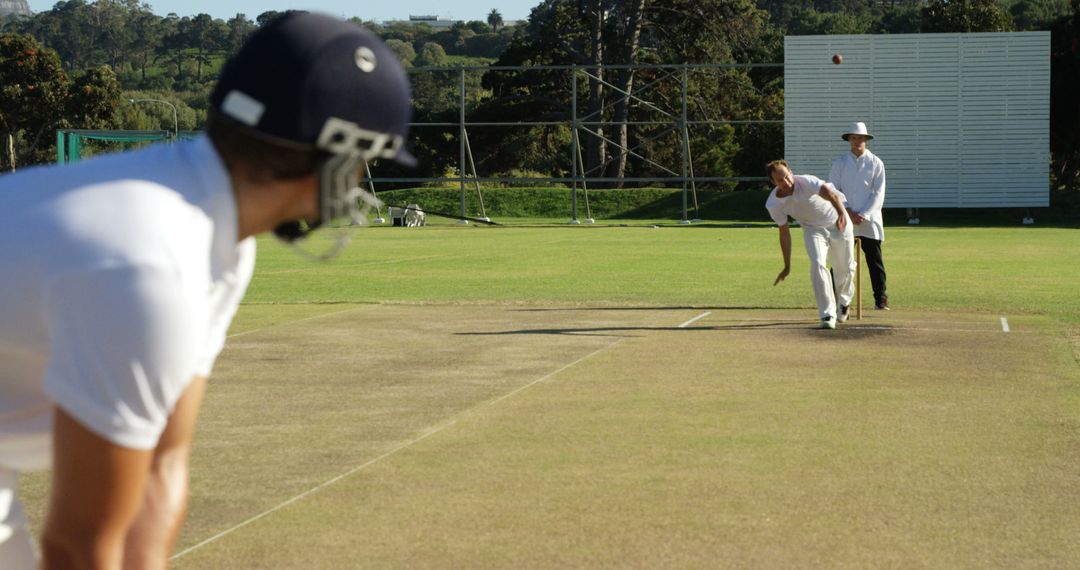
857 129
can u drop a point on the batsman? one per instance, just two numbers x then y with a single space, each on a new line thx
121 275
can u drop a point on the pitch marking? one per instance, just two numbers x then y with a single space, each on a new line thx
313 317
1004 324
314 489
392 451
695 319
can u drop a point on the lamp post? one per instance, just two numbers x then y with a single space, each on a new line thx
176 124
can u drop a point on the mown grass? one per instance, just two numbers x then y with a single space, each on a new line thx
922 437
1030 270
710 204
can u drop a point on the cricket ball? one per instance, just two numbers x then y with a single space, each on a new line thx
837 59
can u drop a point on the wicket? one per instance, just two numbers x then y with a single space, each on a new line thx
858 279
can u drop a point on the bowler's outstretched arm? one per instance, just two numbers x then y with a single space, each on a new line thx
785 250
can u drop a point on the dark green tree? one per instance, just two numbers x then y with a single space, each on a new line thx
1065 99
37 97
205 36
239 28
147 36
965 16
69 29
1038 14
404 51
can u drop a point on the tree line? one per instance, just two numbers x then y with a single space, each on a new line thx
91 58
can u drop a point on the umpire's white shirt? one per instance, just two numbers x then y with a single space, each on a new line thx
118 279
804 204
862 181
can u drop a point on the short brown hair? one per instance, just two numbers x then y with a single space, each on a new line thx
262 158
774 166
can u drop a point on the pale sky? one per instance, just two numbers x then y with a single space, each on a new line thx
366 9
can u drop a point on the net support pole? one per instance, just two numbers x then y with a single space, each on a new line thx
461 141
690 163
573 145
685 144
371 186
476 177
584 186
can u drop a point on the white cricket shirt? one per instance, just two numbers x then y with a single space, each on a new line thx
119 277
862 181
804 204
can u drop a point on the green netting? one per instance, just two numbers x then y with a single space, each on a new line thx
69 142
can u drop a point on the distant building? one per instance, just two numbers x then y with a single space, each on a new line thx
15 8
433 21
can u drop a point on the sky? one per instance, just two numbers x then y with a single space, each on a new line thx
366 9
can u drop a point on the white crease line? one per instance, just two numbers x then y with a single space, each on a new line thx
539 380
695 319
392 451
1004 324
312 317
312 490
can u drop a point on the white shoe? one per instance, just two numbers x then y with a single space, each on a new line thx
828 323
843 316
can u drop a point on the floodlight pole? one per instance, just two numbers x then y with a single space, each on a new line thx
176 124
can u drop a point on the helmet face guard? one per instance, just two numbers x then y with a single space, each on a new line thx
350 148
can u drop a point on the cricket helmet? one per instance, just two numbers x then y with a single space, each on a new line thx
312 81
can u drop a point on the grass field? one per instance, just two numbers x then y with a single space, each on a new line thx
639 395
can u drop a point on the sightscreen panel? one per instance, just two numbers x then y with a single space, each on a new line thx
961 120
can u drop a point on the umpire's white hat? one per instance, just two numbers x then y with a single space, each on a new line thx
857 129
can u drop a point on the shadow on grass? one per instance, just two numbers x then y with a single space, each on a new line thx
662 308
844 332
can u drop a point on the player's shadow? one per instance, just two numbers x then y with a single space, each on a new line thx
667 308
628 331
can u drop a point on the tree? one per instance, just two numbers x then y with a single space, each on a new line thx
68 28
1038 14
495 19
206 35
31 94
148 36
404 51
595 14
1064 94
239 28
92 100
271 15
431 55
37 98
965 16
808 21
632 23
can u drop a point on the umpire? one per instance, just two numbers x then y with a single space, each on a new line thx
860 175
121 275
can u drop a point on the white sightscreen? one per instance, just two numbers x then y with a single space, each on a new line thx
960 120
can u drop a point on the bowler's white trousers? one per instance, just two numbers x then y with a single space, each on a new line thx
16 543
829 246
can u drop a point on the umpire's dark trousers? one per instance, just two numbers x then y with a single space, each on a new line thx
876 267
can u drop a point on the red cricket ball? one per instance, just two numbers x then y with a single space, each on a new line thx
837 59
